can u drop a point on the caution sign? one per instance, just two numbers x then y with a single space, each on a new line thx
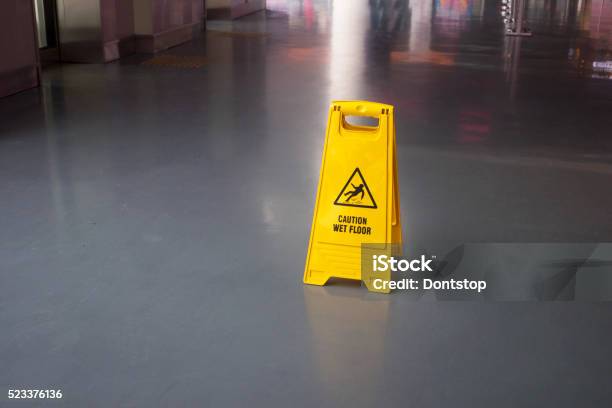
357 204
356 193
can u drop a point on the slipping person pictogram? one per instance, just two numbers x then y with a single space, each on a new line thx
356 193
357 190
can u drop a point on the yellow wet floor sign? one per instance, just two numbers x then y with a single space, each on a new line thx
357 204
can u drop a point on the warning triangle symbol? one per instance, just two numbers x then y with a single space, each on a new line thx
356 193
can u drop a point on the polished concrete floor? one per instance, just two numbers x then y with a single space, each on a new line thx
154 217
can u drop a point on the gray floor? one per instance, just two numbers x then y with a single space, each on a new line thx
154 219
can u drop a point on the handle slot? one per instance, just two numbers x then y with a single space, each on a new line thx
361 116
354 122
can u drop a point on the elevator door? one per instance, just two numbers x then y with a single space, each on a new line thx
46 22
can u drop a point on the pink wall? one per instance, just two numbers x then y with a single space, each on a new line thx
172 22
168 14
117 19
18 47
118 24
